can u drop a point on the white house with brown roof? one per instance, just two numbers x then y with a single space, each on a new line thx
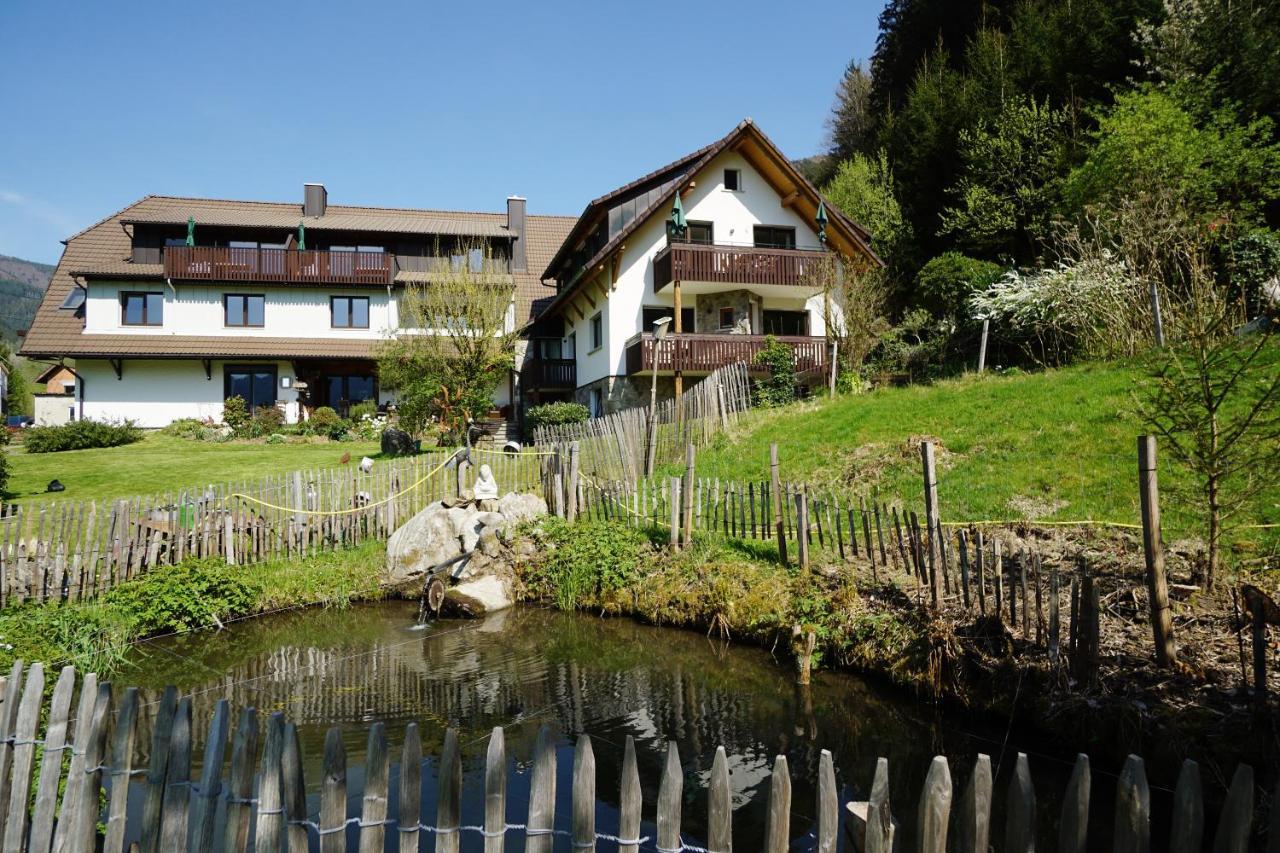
173 304
163 327
756 255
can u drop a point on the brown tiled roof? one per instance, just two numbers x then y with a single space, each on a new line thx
104 248
337 217
119 269
211 346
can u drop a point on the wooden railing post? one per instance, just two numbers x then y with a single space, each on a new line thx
932 524
1153 548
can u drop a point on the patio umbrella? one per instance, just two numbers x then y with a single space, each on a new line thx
302 237
191 230
821 219
678 224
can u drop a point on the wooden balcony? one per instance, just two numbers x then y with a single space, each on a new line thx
285 266
704 353
738 265
549 374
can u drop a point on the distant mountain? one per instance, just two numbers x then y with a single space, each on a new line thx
22 285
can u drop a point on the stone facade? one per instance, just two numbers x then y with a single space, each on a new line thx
707 311
626 392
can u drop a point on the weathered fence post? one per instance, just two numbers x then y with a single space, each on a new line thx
542 795
629 802
1186 833
1156 321
1073 828
571 490
931 519
775 498
1020 810
687 495
670 797
584 795
1133 809
675 513
934 809
982 347
778 822
974 828
495 793
1236 821
802 528
1157 584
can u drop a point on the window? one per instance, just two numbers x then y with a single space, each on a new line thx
343 391
597 403
597 331
349 312
702 233
243 309
733 179
255 384
786 322
774 237
648 315
142 309
726 318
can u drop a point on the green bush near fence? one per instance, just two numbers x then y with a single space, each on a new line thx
196 593
556 414
80 435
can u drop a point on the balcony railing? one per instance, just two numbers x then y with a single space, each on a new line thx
550 374
704 353
737 265
290 266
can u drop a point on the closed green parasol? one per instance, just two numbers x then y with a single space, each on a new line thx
677 224
302 237
821 219
191 230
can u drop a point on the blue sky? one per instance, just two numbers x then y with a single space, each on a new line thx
445 105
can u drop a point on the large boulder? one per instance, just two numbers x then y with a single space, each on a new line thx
420 544
440 532
396 442
479 596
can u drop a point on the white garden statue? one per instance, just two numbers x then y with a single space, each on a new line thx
486 488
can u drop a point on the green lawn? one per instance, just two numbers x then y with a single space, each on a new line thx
1058 444
161 463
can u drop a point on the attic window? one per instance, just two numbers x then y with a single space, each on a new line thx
75 299
733 179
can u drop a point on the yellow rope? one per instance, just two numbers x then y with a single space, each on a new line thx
365 508
1082 523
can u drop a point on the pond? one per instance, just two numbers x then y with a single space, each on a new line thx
610 678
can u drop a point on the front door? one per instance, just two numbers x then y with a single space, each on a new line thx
253 383
342 391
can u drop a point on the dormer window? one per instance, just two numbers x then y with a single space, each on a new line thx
142 309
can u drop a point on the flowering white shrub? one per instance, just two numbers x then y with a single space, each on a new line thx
1093 306
369 427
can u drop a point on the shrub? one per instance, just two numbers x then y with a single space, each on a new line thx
192 594
588 558
265 420
325 421
189 428
80 435
275 438
4 461
1252 263
779 387
945 284
235 414
363 408
557 414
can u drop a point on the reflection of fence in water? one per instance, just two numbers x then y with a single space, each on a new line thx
179 813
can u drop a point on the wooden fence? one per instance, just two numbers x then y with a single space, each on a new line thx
71 550
615 445
263 792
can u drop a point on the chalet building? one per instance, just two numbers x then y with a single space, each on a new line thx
55 396
171 305
727 242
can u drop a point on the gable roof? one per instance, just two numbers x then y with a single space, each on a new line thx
104 250
746 137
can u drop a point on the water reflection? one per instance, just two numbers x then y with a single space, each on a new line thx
609 678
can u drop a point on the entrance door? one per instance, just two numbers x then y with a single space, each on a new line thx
342 391
254 383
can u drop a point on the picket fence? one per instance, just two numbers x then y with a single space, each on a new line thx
616 445
72 550
263 797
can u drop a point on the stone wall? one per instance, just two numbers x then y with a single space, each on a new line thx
627 392
707 310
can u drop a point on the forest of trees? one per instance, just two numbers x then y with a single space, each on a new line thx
985 137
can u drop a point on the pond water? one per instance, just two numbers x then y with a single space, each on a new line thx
609 678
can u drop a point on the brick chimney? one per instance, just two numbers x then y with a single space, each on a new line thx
314 199
515 224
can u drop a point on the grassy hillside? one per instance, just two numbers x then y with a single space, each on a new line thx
1055 445
22 284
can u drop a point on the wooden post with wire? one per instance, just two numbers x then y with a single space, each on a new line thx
1153 549
687 494
775 498
932 527
675 513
